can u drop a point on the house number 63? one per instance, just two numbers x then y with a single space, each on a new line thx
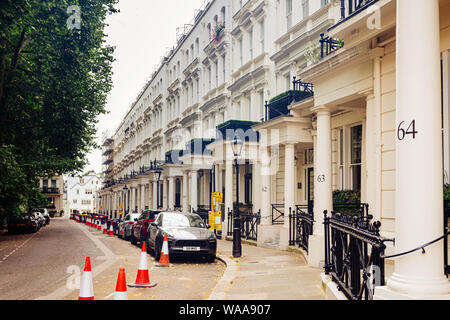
321 178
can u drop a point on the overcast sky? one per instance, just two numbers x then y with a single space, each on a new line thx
142 33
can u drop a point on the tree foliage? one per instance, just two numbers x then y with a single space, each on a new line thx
54 82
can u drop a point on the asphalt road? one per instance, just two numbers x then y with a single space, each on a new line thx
45 266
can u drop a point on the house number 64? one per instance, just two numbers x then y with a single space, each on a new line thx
411 130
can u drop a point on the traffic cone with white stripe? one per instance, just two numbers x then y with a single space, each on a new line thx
164 256
99 225
87 288
111 229
121 286
105 227
143 279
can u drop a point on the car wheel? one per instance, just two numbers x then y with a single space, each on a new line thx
132 240
141 239
158 248
210 258
147 244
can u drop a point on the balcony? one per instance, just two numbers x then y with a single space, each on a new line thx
50 190
279 106
329 45
351 8
173 157
228 130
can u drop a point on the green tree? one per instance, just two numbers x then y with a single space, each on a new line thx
54 81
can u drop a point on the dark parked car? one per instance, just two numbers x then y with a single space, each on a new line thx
27 222
139 230
187 233
126 226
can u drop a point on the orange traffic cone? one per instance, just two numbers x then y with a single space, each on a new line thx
142 279
111 229
87 288
164 257
105 227
99 225
121 286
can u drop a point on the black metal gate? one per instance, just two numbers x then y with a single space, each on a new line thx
354 254
301 224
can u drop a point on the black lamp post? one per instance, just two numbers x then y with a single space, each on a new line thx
125 198
158 172
236 146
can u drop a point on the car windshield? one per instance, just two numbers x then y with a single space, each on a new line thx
134 216
180 220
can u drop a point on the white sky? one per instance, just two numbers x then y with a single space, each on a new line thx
142 32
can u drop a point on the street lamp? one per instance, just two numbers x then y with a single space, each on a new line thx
158 172
125 198
236 146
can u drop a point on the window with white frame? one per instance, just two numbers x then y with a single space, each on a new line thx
350 157
305 8
261 36
250 43
288 14
241 51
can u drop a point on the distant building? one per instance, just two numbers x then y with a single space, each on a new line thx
81 192
53 188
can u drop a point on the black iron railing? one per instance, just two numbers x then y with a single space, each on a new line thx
277 214
301 223
354 253
350 8
329 45
279 106
50 190
249 224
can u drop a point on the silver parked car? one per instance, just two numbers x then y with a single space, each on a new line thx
187 234
126 226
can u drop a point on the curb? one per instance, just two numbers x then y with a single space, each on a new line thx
221 289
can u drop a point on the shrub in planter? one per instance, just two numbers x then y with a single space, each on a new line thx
346 201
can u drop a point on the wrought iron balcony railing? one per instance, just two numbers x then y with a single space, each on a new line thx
329 45
350 8
50 190
279 106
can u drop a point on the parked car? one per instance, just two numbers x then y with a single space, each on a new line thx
41 219
45 214
27 222
125 227
187 233
139 229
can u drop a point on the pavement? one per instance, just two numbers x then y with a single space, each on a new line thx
266 274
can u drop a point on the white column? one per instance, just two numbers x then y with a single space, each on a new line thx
289 182
323 197
228 187
194 189
142 194
164 192
446 102
133 199
171 203
155 195
185 191
419 169
265 189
